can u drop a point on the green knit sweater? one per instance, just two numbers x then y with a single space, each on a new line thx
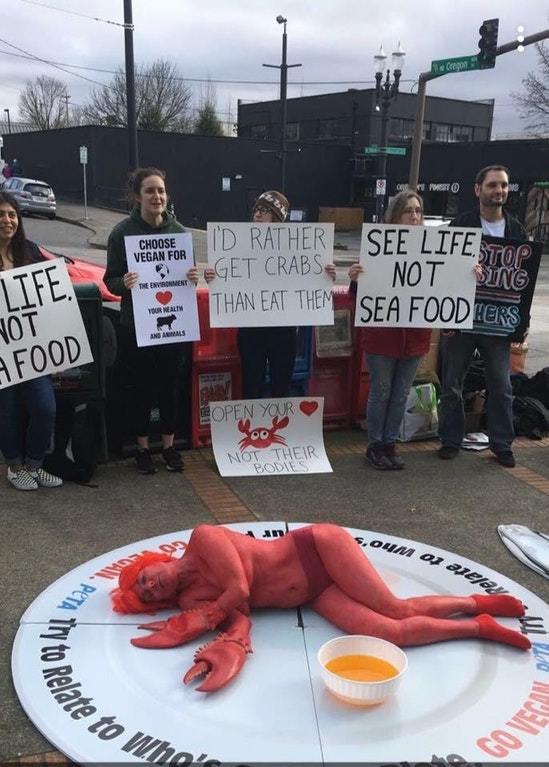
117 264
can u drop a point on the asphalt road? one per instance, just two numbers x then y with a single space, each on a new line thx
60 237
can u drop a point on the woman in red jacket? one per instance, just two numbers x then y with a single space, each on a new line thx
393 356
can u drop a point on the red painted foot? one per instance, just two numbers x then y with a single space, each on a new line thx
490 629
499 604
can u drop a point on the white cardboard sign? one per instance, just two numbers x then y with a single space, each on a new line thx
417 276
41 328
270 274
164 301
258 438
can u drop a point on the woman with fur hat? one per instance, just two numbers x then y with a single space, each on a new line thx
275 345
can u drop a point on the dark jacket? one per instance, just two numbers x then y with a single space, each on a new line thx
394 342
513 228
117 264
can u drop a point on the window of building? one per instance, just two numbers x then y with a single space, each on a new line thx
401 128
450 133
258 131
462 133
329 128
292 131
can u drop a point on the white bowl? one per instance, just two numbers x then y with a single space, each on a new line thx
361 693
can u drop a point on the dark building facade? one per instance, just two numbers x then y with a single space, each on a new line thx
350 118
318 174
209 178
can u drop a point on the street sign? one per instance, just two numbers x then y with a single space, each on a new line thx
83 155
381 186
400 150
459 64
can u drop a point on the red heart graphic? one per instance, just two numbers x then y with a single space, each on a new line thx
164 297
308 407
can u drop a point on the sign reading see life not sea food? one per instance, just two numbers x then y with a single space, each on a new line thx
417 276
270 274
264 437
41 328
505 290
164 301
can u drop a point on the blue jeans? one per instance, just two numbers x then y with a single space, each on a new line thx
456 357
390 381
38 399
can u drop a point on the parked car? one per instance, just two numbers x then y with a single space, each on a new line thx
83 271
32 195
436 221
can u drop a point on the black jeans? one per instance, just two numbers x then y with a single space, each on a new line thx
257 346
153 370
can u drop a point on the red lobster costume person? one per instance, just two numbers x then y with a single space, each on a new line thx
223 575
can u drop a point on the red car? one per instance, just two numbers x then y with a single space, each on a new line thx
83 271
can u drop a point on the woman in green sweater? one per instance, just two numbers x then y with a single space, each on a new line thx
153 367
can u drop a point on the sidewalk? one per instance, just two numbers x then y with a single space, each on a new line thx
455 505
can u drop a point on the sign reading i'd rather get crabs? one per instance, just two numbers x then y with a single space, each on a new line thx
98 699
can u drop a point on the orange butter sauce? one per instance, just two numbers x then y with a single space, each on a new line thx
362 668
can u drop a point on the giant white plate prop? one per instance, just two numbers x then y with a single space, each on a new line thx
97 698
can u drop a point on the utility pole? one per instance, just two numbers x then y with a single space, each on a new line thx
66 98
284 66
424 78
7 111
130 85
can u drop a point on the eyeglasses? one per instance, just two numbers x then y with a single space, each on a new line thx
261 209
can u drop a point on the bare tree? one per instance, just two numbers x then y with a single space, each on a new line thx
161 99
42 103
533 103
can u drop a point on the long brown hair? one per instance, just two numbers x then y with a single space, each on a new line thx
18 245
398 204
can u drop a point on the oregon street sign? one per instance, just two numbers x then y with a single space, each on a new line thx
459 64
400 150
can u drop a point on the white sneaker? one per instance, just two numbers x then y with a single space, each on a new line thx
45 479
22 479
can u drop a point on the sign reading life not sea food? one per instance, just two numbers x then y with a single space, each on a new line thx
41 328
264 437
164 301
417 276
270 274
505 290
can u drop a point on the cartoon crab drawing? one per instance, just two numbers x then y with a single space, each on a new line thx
261 436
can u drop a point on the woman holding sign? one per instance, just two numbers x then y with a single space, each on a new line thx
152 367
36 395
393 356
275 345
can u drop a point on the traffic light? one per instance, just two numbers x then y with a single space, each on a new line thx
488 43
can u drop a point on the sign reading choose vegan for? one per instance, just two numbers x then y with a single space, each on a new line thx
417 276
41 328
270 274
164 301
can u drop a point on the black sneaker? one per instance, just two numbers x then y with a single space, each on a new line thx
173 459
446 452
394 458
144 462
377 458
506 458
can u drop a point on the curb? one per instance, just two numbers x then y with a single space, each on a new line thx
72 221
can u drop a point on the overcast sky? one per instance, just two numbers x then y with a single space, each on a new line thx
334 40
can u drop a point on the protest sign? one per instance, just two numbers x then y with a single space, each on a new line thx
41 328
270 274
505 290
417 276
164 301
263 437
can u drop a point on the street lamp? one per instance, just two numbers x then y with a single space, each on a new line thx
386 92
7 111
284 66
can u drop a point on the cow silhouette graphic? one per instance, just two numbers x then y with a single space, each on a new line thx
165 321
